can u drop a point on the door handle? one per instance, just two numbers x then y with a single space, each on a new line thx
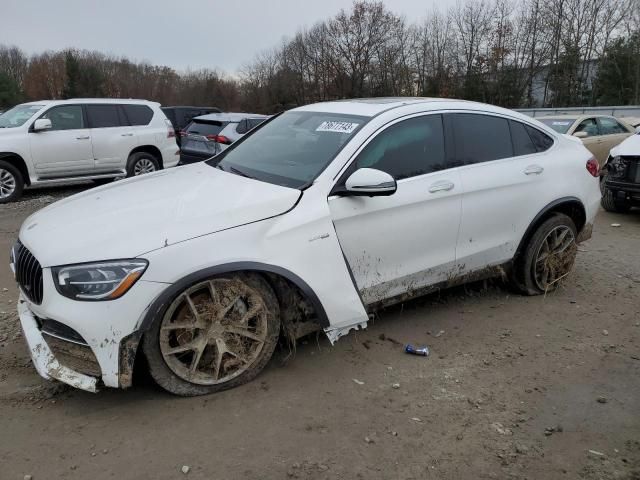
87 137
533 170
126 134
441 186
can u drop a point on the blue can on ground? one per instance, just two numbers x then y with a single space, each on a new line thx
424 351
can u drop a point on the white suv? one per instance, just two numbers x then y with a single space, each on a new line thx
60 140
314 220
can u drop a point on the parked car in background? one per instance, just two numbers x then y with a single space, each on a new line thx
632 121
208 135
181 116
621 177
315 220
598 133
54 141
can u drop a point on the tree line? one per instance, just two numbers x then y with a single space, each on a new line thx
511 53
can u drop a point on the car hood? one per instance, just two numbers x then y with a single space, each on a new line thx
631 146
131 217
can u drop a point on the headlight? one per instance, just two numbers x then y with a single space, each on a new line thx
98 281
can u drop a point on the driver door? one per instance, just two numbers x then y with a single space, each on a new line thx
406 241
65 149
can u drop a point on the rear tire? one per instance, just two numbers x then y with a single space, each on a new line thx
140 163
611 204
11 183
548 256
216 334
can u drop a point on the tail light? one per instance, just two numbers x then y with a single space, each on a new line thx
171 133
592 167
219 139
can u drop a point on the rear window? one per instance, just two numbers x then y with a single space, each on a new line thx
560 125
205 128
138 114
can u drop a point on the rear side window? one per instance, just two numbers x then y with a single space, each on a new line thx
254 122
481 138
138 114
407 149
104 116
541 140
522 143
242 127
205 128
67 117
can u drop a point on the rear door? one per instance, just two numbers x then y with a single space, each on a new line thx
65 149
504 167
400 243
112 137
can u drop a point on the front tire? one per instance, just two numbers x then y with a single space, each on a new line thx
217 334
548 256
11 183
140 163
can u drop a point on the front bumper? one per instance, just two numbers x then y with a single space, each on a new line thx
110 332
192 157
43 359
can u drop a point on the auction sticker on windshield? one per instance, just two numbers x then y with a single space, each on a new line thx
337 127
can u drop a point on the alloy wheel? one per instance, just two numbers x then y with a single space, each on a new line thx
144 165
7 183
214 331
555 257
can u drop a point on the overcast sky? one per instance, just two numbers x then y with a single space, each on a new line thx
180 34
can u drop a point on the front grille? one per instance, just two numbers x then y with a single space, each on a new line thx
28 273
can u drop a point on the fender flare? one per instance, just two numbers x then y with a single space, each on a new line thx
542 213
164 299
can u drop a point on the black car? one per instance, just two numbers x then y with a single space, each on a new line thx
621 177
181 116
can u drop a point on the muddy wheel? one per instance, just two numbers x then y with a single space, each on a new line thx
548 256
215 335
611 204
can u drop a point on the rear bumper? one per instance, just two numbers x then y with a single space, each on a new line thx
627 191
192 157
170 156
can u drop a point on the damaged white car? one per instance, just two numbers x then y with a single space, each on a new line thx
322 215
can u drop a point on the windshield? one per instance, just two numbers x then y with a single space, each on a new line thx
17 116
560 125
292 149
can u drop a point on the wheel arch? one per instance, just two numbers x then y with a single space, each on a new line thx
18 162
129 345
151 149
570 206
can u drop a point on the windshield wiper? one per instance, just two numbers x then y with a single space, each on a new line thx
239 172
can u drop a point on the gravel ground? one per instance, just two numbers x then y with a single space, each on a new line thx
515 387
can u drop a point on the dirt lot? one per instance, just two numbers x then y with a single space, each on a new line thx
514 388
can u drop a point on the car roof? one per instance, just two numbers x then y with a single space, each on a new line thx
229 117
91 100
370 107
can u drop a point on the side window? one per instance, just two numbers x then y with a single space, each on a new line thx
407 149
481 138
541 140
66 117
138 114
522 143
242 127
103 116
609 126
590 126
254 122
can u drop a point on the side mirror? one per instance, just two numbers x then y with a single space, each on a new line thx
370 182
638 129
42 124
581 134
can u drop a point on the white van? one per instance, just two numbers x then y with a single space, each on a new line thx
56 141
